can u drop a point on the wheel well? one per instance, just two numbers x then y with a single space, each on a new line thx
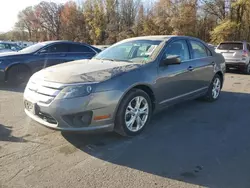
16 65
221 76
149 91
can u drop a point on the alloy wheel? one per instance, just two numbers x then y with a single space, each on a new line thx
216 88
136 113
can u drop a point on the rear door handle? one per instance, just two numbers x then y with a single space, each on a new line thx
190 68
62 55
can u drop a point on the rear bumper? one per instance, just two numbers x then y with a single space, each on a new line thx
238 65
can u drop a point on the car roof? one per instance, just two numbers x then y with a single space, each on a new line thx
4 42
160 37
64 41
234 42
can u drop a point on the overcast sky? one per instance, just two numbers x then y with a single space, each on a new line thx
10 8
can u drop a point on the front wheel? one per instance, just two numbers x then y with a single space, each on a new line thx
133 113
18 75
214 89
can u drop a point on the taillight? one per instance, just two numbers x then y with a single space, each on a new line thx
245 54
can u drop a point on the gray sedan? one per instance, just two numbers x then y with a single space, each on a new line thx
121 87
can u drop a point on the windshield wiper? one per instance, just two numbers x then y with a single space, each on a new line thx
107 59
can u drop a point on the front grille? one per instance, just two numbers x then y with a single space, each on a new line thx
46 117
43 91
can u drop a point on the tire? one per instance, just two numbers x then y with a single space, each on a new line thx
127 117
18 75
215 86
247 69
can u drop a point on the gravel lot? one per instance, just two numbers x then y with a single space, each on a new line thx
194 144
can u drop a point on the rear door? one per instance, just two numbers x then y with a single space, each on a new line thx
80 51
203 64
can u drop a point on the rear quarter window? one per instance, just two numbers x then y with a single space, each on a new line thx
231 46
79 48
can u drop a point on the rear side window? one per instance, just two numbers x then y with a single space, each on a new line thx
56 48
79 48
231 46
199 50
4 46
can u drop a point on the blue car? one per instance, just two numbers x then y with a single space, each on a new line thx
17 67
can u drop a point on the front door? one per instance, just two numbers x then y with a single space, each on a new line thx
53 55
175 82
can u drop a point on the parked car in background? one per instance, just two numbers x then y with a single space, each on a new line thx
17 67
121 87
212 46
8 47
236 54
102 47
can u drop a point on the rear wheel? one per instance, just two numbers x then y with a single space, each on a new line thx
133 113
214 89
247 69
18 75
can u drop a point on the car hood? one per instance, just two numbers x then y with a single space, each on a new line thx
7 54
85 71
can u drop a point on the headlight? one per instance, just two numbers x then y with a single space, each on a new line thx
75 91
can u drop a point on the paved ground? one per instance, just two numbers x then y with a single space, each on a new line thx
194 144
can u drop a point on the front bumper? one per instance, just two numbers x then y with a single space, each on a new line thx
2 75
62 114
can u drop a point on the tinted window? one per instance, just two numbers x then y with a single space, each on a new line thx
56 48
3 46
179 48
199 50
231 46
14 47
79 48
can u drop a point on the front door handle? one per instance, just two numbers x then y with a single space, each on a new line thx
190 68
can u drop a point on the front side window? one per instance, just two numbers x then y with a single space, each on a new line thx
131 51
177 48
199 50
57 48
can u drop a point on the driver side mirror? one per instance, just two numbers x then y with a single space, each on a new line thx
171 60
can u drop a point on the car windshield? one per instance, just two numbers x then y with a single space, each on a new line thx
132 51
231 46
33 48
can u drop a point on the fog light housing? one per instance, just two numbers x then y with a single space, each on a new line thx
79 120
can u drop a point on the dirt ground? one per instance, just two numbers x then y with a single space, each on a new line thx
194 144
